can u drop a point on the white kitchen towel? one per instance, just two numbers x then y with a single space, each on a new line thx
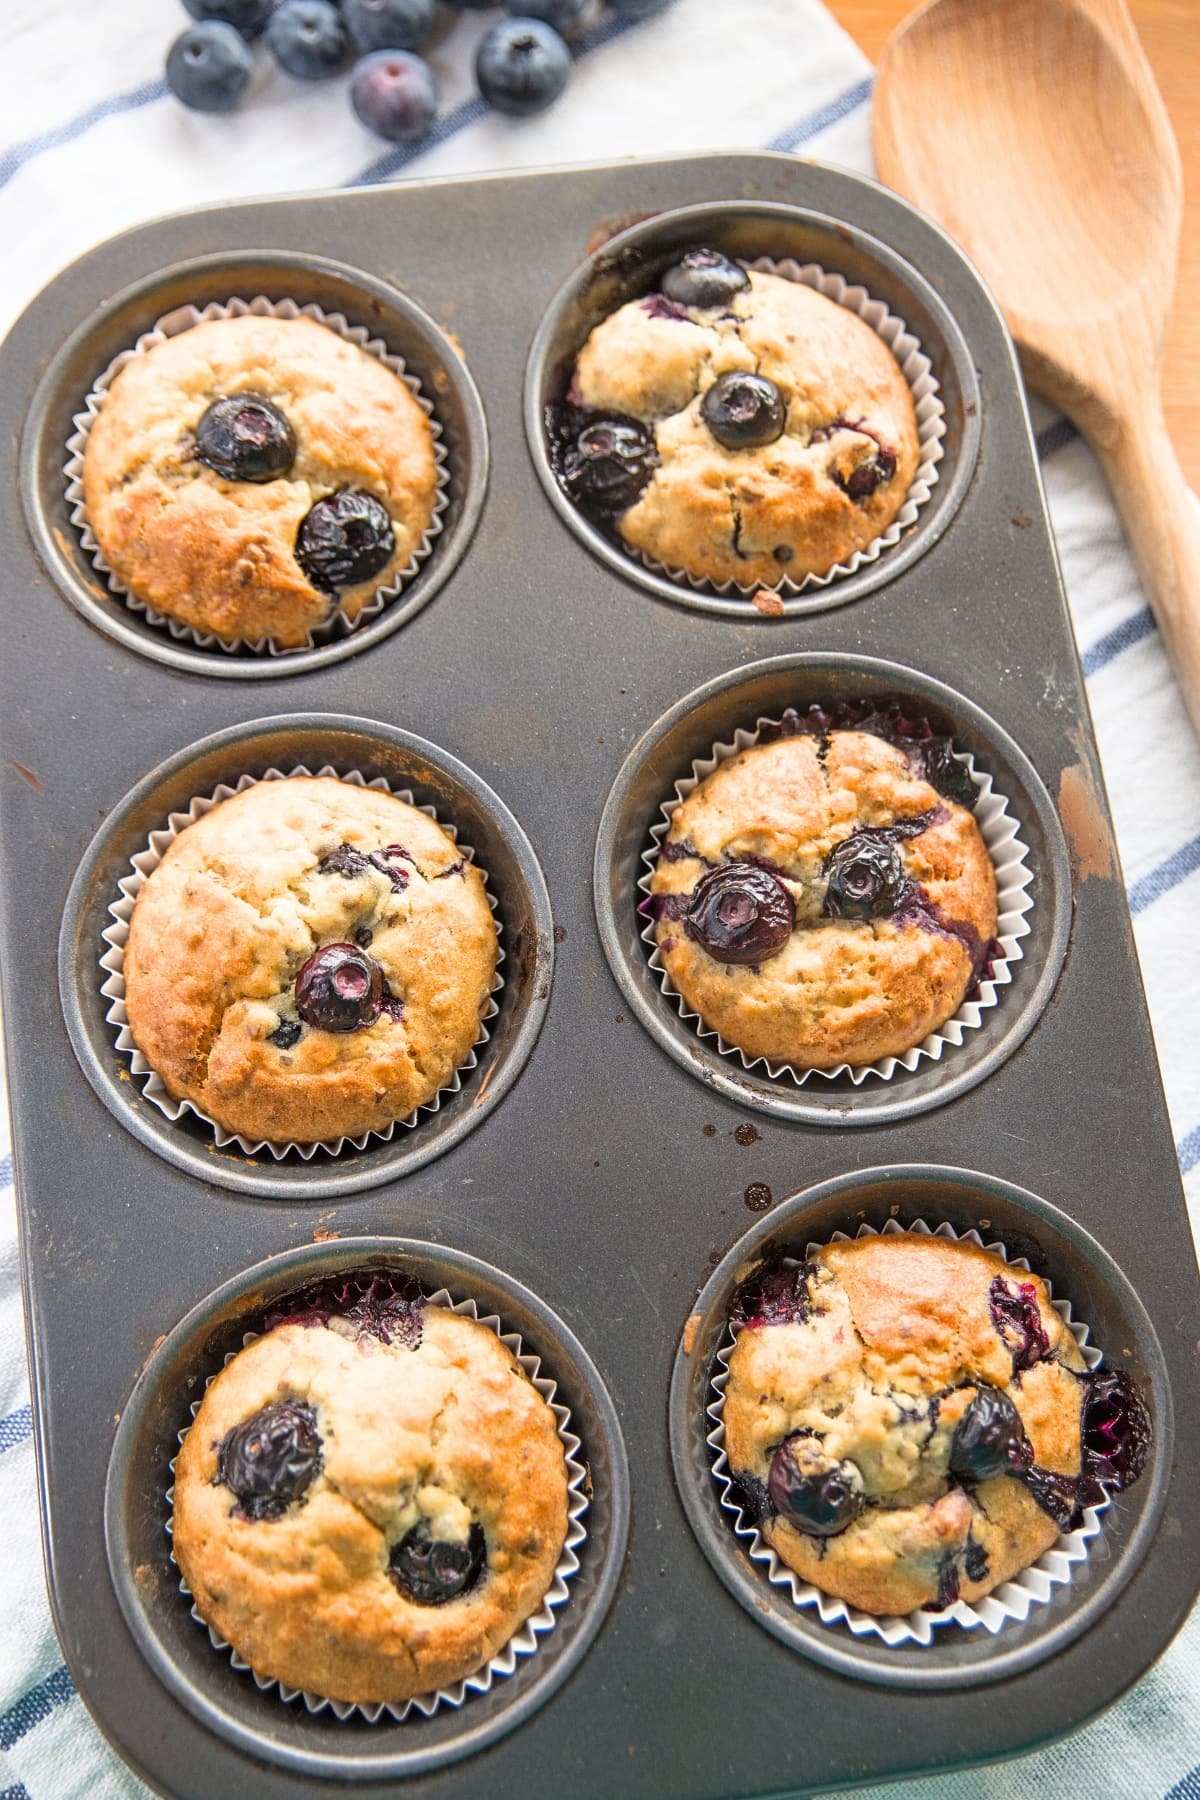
90 142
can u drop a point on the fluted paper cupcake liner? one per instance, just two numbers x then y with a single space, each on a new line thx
917 370
524 1642
1014 903
1013 1599
170 325
116 936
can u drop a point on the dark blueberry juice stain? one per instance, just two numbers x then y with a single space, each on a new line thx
377 1302
1014 1310
747 1134
758 1196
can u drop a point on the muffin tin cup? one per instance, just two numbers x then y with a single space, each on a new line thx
341 1741
1040 1610
523 1642
112 965
133 840
1012 1600
179 296
852 268
173 324
1020 827
1010 859
917 370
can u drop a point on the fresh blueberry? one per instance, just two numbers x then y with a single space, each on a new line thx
521 66
563 16
243 437
1018 1322
744 411
387 24
339 988
307 38
246 16
989 1439
431 1572
704 278
862 481
209 67
604 460
814 1493
740 913
286 1034
395 95
343 539
865 878
271 1459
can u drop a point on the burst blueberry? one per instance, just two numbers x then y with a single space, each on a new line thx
744 411
777 1293
271 1459
387 24
870 474
343 539
521 66
604 460
246 16
864 877
209 67
1018 1321
244 437
307 39
430 1571
740 913
704 278
989 1439
339 988
1116 1430
287 1034
816 1493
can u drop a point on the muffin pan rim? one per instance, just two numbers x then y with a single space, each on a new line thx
110 614
94 1043
271 1276
956 468
836 1649
1003 1030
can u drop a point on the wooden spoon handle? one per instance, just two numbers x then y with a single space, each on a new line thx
1162 520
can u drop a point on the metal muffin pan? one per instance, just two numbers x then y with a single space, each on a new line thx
159 1615
407 330
313 740
1078 1270
764 690
632 263
609 1178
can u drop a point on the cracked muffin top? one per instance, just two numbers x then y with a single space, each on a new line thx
373 1496
826 898
737 426
251 476
309 960
909 1421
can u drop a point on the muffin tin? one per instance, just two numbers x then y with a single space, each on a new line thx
614 1174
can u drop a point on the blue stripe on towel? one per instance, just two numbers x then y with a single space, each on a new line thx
1055 437
18 1791
35 1706
18 155
1169 873
15 1427
1122 637
1188 1788
6 1170
814 123
1188 1152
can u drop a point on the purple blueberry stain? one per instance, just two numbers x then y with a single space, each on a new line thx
376 1302
1018 1321
777 1293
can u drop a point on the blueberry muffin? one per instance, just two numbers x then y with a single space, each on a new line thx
310 960
251 476
909 1421
372 1498
827 897
737 426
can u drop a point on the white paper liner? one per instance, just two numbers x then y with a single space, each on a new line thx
525 1641
1014 903
170 325
1013 1599
116 936
917 370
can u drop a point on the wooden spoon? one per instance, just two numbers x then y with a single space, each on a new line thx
1033 132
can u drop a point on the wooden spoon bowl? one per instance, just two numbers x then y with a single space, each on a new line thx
1033 132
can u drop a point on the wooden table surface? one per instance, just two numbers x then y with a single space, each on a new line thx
1170 31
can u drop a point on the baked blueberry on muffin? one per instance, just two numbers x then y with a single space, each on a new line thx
373 1496
826 898
309 960
737 426
909 1421
250 476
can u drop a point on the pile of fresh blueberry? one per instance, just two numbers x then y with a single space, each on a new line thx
521 62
